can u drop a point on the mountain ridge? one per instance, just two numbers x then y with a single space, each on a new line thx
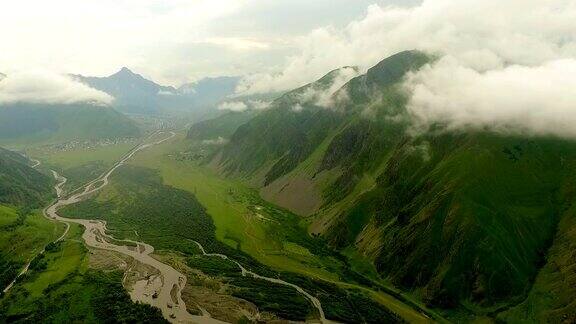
464 211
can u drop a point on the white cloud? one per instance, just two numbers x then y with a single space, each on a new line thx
244 105
237 106
508 65
44 87
297 108
98 37
538 100
173 41
217 141
482 34
258 104
324 96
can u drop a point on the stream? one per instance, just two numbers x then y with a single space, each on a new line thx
164 290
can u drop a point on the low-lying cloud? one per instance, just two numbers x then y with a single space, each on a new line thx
507 66
538 100
324 96
236 106
43 87
244 105
481 34
217 141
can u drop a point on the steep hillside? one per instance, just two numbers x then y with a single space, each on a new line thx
21 185
57 123
285 134
465 219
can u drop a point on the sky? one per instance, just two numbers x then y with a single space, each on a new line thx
171 41
508 66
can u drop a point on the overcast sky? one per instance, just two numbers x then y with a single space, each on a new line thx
172 41
507 65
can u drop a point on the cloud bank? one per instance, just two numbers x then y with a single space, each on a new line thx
481 34
534 100
42 87
507 65
233 106
324 96
244 105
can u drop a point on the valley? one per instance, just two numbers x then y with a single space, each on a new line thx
288 162
96 237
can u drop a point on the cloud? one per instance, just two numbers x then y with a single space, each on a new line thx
516 99
507 66
175 41
244 105
43 87
324 96
217 141
237 106
481 34
258 104
297 108
98 37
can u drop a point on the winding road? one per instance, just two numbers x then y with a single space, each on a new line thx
163 290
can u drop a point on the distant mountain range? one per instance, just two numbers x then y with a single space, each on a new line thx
138 95
472 221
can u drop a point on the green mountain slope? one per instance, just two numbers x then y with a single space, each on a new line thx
465 220
28 123
22 230
20 185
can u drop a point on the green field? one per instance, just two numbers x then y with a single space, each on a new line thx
73 158
81 165
22 235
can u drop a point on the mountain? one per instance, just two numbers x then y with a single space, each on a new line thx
138 95
133 92
473 222
35 123
2 76
21 185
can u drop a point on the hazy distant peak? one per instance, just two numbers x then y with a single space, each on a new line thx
126 72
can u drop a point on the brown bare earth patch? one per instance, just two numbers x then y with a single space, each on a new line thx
137 271
108 260
298 194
